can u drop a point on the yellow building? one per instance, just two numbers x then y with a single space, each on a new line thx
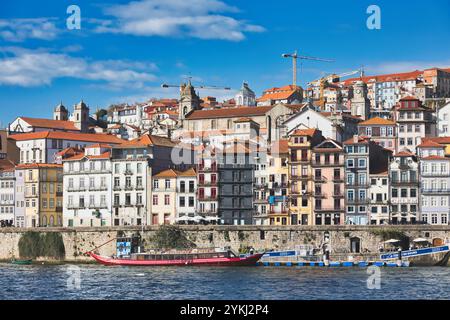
300 171
278 173
43 194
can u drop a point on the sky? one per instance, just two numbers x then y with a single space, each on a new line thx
125 50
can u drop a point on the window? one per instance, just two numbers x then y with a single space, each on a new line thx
155 199
182 202
166 199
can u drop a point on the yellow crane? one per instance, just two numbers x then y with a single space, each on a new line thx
323 83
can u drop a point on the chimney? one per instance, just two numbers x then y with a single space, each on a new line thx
355 138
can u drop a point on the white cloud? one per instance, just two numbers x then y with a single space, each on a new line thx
27 68
18 30
202 19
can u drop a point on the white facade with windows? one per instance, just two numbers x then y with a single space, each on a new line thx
87 188
443 120
379 198
7 197
435 185
186 194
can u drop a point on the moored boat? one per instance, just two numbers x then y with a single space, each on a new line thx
181 258
21 262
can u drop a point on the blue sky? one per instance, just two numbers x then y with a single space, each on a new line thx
125 50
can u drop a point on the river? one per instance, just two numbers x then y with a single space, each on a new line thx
223 283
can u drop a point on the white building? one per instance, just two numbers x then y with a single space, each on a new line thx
245 96
7 192
379 198
186 194
42 147
435 183
443 120
87 188
19 210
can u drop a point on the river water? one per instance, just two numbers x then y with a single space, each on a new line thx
223 283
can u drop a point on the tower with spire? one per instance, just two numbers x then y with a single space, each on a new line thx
60 112
81 116
189 100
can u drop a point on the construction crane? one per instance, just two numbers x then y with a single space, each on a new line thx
294 57
323 82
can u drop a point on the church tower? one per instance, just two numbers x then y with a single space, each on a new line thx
81 116
189 100
360 104
60 113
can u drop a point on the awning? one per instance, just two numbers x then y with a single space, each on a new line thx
392 241
420 240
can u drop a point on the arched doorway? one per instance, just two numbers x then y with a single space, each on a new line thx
438 242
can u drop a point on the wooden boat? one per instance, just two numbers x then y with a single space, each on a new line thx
181 258
21 262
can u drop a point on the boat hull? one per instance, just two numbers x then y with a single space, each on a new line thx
235 261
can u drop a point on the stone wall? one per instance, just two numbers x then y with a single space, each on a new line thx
79 240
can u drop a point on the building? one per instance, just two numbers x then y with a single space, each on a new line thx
379 198
19 210
414 122
328 183
207 183
362 156
245 96
382 131
301 143
261 190
78 122
8 148
164 197
88 188
278 172
336 126
7 193
360 103
403 189
289 94
443 120
43 185
434 182
236 171
186 198
43 146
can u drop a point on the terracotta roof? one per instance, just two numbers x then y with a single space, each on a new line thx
38 165
361 139
386 77
147 140
404 154
228 112
105 155
50 124
409 98
236 148
429 144
277 95
84 137
188 173
99 145
435 158
69 152
377 121
279 147
6 165
305 132
244 119
169 173
441 140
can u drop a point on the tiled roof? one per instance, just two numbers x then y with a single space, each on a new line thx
404 153
228 112
361 140
409 98
169 173
188 173
377 121
105 155
435 158
426 143
279 147
278 93
147 140
38 166
386 77
305 132
84 137
99 145
6 165
69 152
50 124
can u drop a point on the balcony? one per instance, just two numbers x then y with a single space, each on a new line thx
360 184
404 201
207 198
207 183
302 177
260 201
327 163
7 203
129 188
261 185
435 191
319 194
128 172
397 182
73 189
98 206
139 188
338 195
338 179
117 188
329 209
278 212
358 201
76 206
435 174
101 188
320 179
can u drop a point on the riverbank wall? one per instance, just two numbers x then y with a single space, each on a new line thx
344 241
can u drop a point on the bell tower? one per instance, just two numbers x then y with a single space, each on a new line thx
360 104
60 113
81 116
189 100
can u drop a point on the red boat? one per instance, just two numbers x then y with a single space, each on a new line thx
183 258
